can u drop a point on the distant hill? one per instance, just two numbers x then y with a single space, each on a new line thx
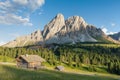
116 36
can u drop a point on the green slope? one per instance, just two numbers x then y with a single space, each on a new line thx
12 73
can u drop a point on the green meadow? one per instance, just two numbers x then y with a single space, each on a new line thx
14 73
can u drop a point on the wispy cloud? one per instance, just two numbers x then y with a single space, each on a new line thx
113 24
31 5
17 11
21 2
110 33
14 19
40 13
105 30
2 43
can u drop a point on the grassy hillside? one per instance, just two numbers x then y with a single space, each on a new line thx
6 59
94 57
13 73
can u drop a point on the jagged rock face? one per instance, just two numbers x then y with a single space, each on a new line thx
99 35
93 31
53 27
76 27
75 23
116 36
37 36
61 31
33 38
74 30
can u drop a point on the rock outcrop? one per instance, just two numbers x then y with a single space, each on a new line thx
34 38
53 27
74 29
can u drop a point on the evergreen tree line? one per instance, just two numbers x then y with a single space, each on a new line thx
73 56
75 59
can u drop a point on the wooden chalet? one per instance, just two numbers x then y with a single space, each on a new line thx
29 61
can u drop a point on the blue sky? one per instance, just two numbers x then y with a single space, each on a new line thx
21 17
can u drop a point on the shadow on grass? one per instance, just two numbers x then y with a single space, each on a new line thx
13 73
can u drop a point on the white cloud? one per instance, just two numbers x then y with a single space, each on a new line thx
110 33
14 19
21 2
2 43
30 4
40 13
35 4
7 7
14 11
105 30
113 24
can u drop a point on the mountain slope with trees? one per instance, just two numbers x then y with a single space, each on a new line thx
92 55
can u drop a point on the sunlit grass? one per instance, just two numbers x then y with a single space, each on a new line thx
13 73
6 59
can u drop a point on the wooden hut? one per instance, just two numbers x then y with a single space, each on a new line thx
59 68
29 61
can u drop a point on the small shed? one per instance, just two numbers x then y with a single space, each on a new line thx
29 61
59 68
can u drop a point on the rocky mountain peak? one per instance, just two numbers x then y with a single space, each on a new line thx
36 36
72 29
76 23
59 15
60 31
53 26
77 19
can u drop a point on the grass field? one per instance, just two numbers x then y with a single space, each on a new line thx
6 59
13 73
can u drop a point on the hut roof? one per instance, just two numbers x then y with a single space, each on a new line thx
59 68
32 58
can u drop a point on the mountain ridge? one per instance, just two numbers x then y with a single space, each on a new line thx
33 38
60 31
